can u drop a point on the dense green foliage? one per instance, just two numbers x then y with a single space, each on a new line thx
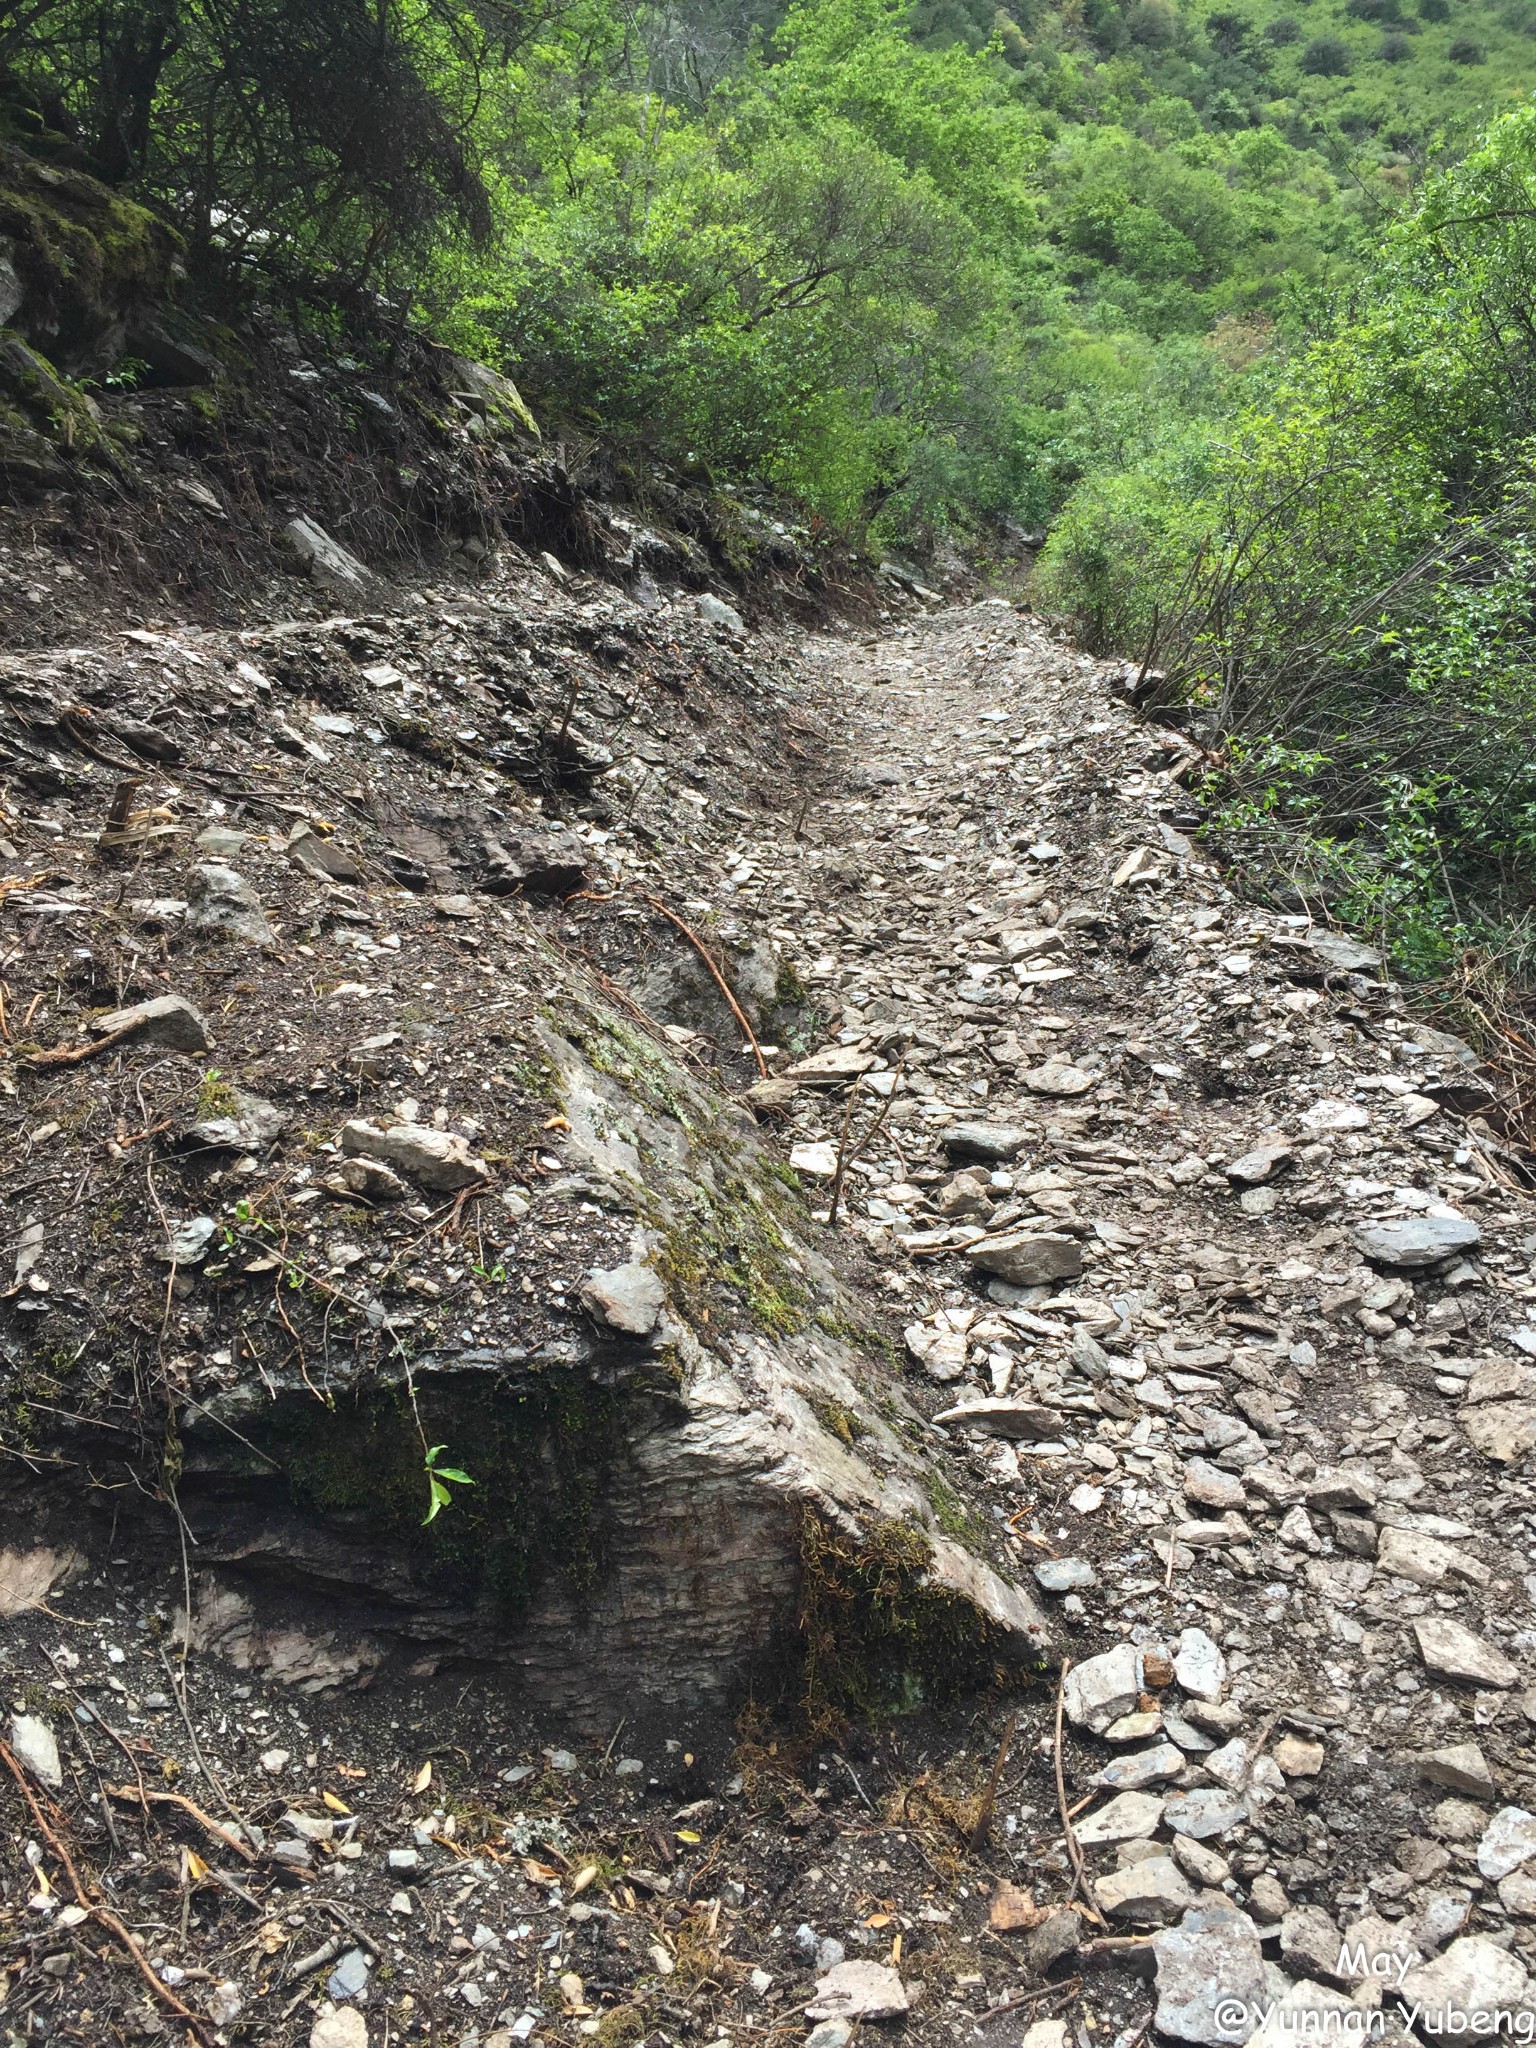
924 266
1206 288
1340 578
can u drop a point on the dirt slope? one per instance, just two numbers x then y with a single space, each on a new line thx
1177 1287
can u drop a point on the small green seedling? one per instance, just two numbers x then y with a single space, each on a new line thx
436 1474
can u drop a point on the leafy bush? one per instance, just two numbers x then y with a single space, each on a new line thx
1341 580
1326 57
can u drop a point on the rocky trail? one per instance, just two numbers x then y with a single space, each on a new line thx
1074 1590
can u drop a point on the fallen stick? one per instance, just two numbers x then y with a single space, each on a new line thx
104 1914
135 1795
1080 1872
988 1804
995 2012
75 1055
719 979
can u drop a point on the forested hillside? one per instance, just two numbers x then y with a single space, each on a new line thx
925 277
916 269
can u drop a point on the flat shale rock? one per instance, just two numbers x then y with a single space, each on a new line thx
1025 1420
1151 1891
170 1021
859 1991
983 1141
1210 1977
626 1299
1464 1989
1501 1430
1029 1258
1409 1243
1451 1650
440 1160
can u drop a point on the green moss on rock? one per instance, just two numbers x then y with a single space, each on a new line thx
89 261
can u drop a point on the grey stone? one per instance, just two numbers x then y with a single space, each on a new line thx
247 1123
1026 1421
1501 1430
1208 1810
1444 1914
1509 1840
1461 1768
322 857
1130 1817
1143 1767
349 1976
1028 1258
1065 1575
223 902
1210 1977
36 1748
339 2027
1058 1077
983 1141
1199 1666
628 1299
27 1577
440 1160
1102 1688
714 611
372 1179
1309 1942
1473 1977
1344 955
830 2034
1253 1169
1200 1863
170 1021
1343 1489
1211 1487
1408 1243
189 1242
1150 1891
535 859
1059 1934
327 561
859 1991
1452 1651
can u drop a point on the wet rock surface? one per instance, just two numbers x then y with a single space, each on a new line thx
1176 1305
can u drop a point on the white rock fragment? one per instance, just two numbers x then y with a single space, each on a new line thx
36 1749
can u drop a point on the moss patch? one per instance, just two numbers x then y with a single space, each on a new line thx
876 1638
88 258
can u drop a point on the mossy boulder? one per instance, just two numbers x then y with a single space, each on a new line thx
80 265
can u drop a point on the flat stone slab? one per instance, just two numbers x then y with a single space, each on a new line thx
1452 1651
1410 1242
1210 1977
983 1141
1026 1421
1029 1258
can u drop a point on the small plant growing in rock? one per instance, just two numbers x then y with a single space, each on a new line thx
437 1490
